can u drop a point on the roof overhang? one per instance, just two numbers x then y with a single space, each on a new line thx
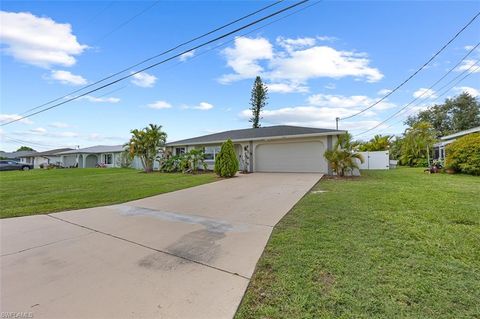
269 138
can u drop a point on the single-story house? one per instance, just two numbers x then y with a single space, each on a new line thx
280 148
88 157
21 156
47 157
439 148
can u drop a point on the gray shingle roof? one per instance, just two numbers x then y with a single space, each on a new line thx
53 152
256 133
14 155
96 149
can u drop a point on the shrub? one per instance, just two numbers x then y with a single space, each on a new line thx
463 155
226 162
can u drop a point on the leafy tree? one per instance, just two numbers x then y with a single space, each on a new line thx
463 155
396 147
146 143
457 114
342 157
258 100
377 143
25 148
416 145
226 162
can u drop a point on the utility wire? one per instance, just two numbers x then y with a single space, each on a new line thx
154 57
124 23
416 72
393 115
429 90
163 61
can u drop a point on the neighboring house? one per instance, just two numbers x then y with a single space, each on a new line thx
439 148
21 156
47 157
108 155
279 148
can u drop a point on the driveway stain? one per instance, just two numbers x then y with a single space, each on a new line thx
212 225
200 245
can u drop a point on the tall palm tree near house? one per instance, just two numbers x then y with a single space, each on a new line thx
146 144
342 158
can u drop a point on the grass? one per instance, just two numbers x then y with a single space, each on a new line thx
391 244
45 191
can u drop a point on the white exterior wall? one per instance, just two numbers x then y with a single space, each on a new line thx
304 153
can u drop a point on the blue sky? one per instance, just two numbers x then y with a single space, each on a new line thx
329 60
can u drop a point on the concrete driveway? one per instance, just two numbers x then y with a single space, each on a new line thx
185 254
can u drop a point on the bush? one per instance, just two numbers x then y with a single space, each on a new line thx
226 162
463 155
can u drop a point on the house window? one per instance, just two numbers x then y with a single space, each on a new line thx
179 150
210 152
107 158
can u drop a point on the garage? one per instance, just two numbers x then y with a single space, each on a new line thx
298 157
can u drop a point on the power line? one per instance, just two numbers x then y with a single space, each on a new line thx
163 61
429 90
124 23
155 56
393 115
416 72
29 143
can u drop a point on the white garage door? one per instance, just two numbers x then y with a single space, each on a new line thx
301 157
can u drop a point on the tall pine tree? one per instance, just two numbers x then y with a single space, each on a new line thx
258 100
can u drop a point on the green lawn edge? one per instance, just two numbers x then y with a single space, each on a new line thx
390 244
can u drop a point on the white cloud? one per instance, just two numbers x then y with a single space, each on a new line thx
354 102
472 91
384 91
311 116
322 109
244 56
330 86
38 41
469 65
323 61
4 118
295 44
424 93
202 106
66 77
187 55
326 38
39 130
158 105
143 79
295 61
468 47
95 99
59 125
287 88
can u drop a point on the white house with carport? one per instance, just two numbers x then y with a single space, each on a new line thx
280 148
45 158
89 157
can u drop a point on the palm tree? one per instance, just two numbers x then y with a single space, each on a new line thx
417 143
342 157
146 143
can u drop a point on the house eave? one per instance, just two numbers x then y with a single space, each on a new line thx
278 137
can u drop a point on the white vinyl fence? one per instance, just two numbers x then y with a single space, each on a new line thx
375 160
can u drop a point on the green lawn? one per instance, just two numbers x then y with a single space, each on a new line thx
392 244
43 191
